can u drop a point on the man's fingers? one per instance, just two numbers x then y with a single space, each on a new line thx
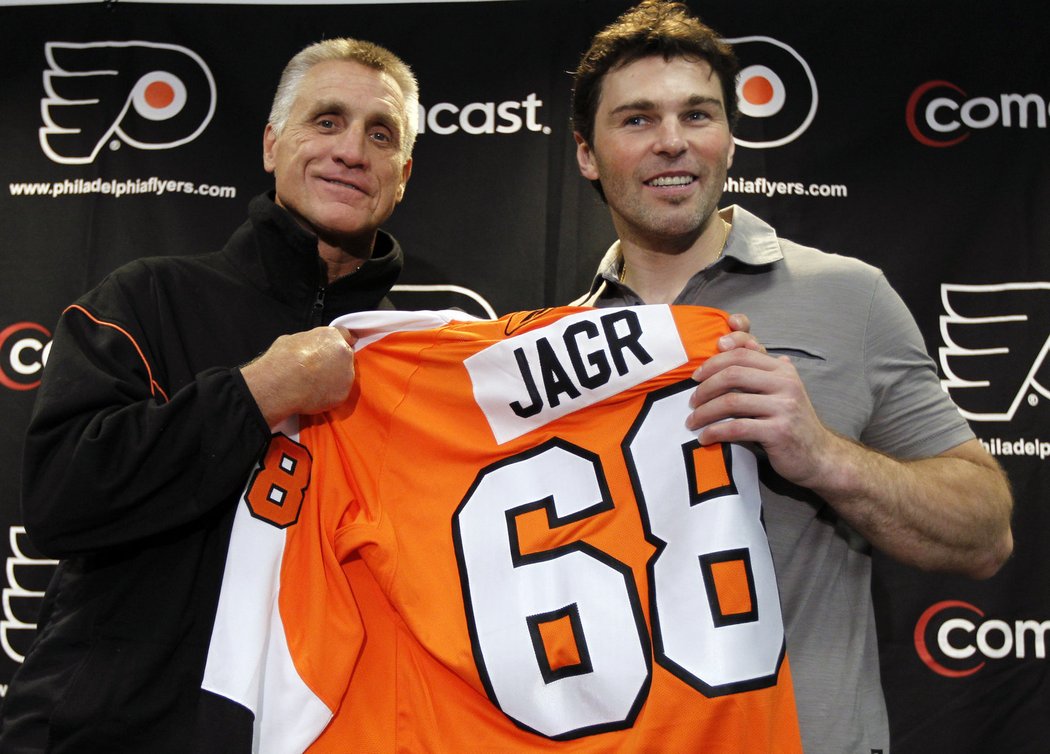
740 335
739 322
746 357
348 336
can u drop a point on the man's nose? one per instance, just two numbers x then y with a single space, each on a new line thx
350 147
670 138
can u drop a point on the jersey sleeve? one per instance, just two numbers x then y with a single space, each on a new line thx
288 633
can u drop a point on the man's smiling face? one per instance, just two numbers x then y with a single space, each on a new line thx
661 148
338 163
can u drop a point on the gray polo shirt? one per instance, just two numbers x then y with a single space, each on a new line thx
867 372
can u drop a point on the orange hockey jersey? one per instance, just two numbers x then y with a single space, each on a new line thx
506 540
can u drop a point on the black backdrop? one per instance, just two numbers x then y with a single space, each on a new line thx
912 135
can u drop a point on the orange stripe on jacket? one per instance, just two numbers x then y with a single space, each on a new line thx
154 386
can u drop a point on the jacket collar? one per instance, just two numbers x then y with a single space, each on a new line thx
280 258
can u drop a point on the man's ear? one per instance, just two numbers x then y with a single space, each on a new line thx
406 173
585 157
269 140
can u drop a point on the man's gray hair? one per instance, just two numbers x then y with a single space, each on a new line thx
355 51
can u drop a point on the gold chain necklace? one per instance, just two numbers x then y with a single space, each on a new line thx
725 238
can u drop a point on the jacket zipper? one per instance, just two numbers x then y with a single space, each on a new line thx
318 308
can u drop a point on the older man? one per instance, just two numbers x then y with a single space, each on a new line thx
156 403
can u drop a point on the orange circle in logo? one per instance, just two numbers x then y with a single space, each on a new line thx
758 90
159 94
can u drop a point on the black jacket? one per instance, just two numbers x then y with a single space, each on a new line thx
142 438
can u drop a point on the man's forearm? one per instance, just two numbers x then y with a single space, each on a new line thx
947 513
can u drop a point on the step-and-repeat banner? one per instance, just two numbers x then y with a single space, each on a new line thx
912 135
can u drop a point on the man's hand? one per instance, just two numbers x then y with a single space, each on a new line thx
741 336
303 373
747 395
950 512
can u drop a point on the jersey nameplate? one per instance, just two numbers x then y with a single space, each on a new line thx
578 361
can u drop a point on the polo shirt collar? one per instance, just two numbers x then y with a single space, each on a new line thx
752 241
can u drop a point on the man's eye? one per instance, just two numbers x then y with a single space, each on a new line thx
698 115
326 123
635 120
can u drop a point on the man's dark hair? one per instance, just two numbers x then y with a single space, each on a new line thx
653 27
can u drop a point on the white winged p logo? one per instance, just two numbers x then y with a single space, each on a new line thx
996 342
147 95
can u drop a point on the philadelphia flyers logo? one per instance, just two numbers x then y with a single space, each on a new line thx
776 92
996 349
146 95
27 578
276 491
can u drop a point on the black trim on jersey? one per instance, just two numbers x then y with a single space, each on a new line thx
260 467
628 456
584 666
718 616
697 497
605 504
660 545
